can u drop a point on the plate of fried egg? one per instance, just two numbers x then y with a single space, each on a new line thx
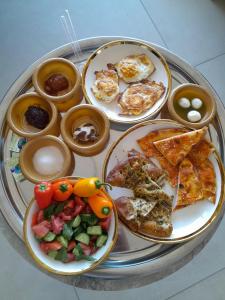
129 80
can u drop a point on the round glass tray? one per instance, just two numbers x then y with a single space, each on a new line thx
134 262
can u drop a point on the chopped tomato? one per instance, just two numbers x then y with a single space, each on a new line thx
86 249
46 247
57 224
78 201
68 211
70 257
71 246
41 229
94 238
79 205
40 216
70 204
87 209
92 247
65 217
34 219
105 223
77 210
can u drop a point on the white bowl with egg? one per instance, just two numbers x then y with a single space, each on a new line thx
119 53
46 158
192 105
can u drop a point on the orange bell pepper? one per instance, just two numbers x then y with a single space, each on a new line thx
62 190
100 204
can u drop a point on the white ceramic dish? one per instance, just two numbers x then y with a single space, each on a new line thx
187 222
113 52
71 268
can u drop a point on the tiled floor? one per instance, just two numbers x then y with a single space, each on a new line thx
193 29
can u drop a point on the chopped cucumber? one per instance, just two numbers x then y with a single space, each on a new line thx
67 232
94 230
78 252
62 255
52 253
49 237
101 240
83 238
62 241
89 218
76 222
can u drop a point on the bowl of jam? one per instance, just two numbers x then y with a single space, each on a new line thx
59 81
85 129
30 115
192 105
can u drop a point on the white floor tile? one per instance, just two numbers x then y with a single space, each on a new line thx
208 289
29 29
214 71
193 29
19 280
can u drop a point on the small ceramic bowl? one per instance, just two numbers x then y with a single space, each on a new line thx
191 91
16 116
70 268
79 115
62 66
27 154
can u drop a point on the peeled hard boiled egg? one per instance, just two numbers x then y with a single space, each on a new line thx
194 116
184 102
196 103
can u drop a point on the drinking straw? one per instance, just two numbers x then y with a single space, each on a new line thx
71 33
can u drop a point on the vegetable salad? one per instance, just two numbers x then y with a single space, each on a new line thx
70 225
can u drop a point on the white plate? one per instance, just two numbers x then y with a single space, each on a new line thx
187 222
71 268
113 52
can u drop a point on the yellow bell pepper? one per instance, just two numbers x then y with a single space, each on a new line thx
88 187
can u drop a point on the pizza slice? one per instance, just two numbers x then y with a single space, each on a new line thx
189 185
176 148
201 151
147 146
206 175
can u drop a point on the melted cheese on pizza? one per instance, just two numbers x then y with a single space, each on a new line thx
189 186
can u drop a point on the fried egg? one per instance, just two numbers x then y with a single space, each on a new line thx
106 85
139 97
134 68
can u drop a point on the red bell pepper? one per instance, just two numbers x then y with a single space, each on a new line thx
43 193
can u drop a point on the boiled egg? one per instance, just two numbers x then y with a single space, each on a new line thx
194 116
184 102
196 103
